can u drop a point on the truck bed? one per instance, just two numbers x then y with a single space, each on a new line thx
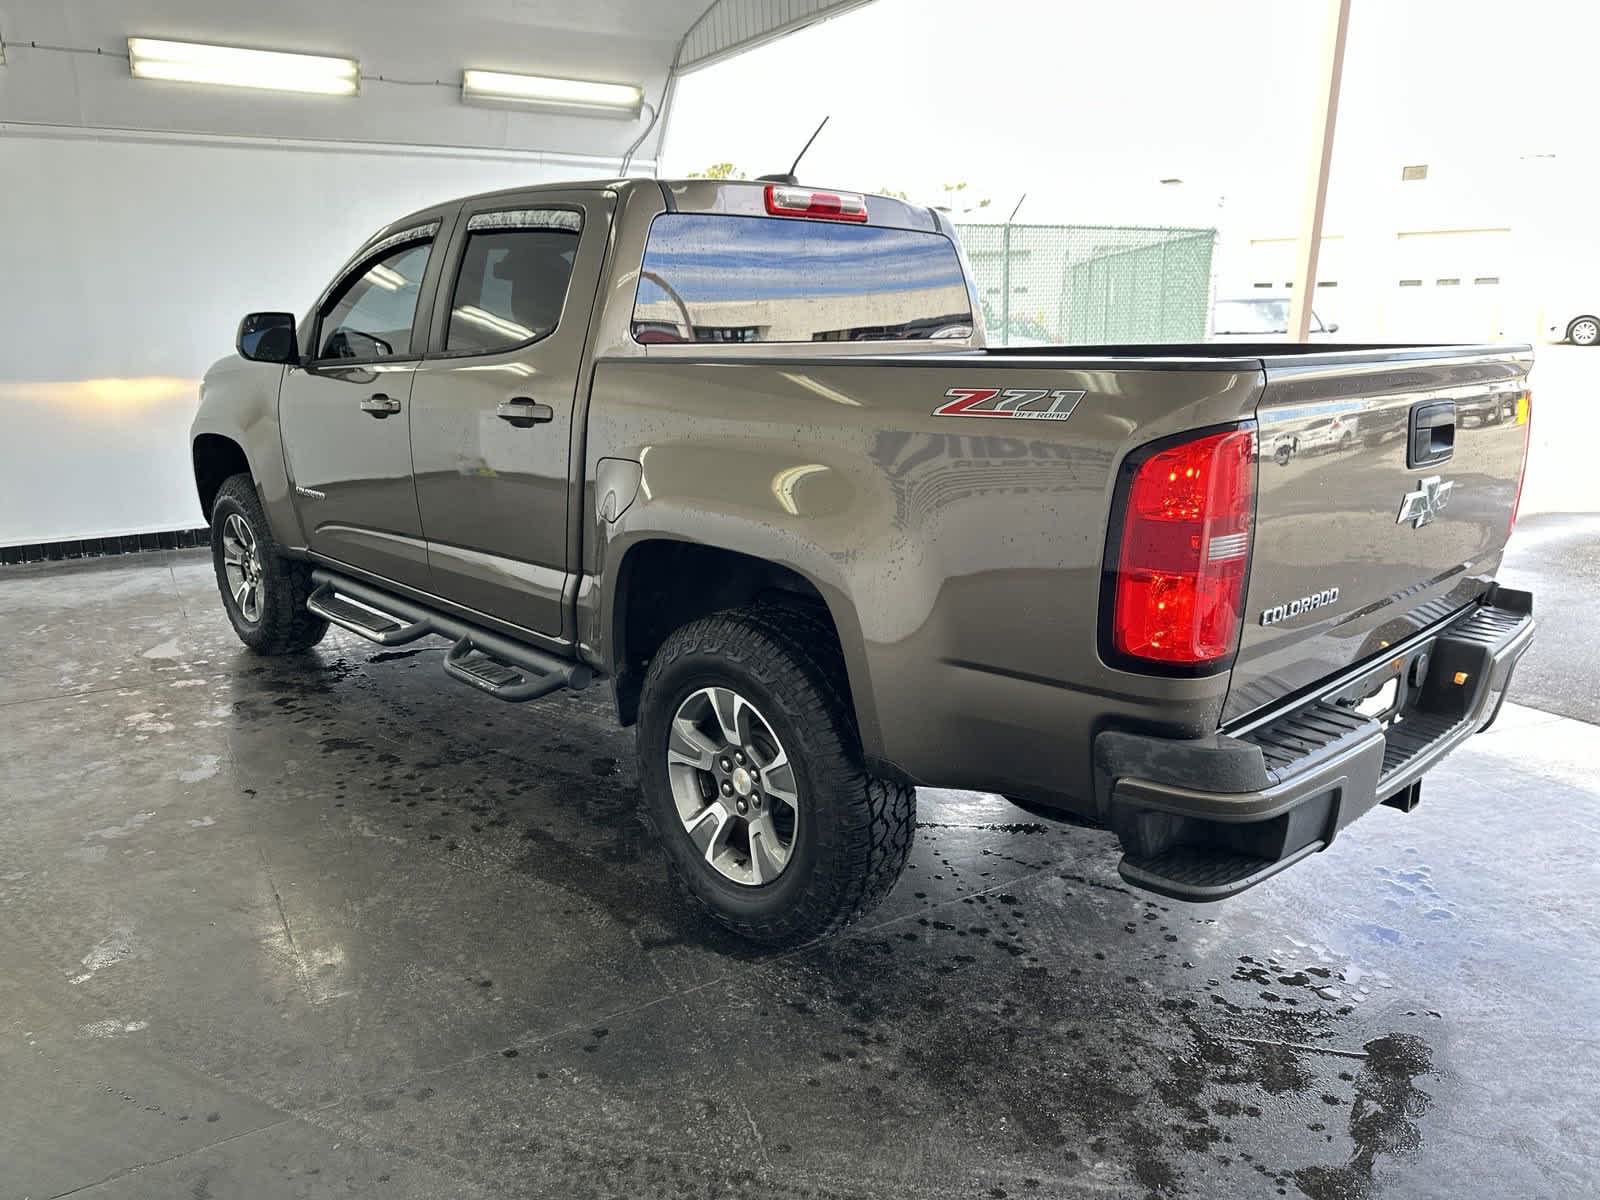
966 553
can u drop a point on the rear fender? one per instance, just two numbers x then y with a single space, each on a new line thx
601 596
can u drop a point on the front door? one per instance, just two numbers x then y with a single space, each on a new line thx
492 404
346 414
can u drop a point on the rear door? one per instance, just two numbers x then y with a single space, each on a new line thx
492 403
345 412
1394 521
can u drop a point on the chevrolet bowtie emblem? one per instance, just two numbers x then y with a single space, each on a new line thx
1419 507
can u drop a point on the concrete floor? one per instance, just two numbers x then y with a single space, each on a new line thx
329 926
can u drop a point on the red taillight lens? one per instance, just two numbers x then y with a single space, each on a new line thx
1178 594
786 201
1525 419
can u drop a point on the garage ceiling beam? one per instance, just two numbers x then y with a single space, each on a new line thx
1310 244
729 27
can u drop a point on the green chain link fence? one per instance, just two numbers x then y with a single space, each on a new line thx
1089 284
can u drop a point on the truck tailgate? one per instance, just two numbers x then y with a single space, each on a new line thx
1386 487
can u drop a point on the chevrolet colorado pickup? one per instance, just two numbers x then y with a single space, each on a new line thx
740 449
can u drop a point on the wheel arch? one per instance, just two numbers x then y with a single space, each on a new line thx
661 581
215 459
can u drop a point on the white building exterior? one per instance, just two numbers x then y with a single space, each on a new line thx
1433 251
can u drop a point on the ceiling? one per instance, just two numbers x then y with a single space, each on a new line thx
411 52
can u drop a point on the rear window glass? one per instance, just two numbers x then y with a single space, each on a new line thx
718 278
513 278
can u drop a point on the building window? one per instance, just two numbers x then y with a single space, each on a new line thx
1411 174
1447 283
1486 280
1267 284
1411 283
724 333
1327 283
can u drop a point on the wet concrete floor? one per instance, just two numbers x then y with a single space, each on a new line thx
332 926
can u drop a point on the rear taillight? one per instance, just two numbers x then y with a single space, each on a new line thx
1177 585
1525 419
786 201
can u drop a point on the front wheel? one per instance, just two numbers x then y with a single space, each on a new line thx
263 592
1585 331
753 779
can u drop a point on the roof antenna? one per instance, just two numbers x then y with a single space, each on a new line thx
788 177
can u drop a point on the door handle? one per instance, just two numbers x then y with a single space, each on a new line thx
380 406
524 412
1432 434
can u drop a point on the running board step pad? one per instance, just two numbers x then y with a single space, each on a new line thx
364 622
468 663
490 671
344 613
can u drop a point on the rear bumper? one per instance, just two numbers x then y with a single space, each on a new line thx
1205 819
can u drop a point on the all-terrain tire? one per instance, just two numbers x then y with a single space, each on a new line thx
853 831
283 625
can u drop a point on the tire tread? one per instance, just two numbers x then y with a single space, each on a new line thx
286 625
792 649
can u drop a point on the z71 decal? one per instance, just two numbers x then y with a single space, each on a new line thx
1033 404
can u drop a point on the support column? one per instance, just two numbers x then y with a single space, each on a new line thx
1310 244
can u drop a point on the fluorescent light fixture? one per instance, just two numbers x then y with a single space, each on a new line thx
229 66
572 95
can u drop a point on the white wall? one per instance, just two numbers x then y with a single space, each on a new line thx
126 262
401 45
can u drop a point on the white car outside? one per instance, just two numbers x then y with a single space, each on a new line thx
1260 318
1579 328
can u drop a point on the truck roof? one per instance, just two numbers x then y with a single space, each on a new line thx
734 197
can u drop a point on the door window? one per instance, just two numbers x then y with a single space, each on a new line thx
370 316
513 279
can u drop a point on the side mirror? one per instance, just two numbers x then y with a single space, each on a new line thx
268 337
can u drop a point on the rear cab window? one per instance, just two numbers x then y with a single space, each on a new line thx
720 278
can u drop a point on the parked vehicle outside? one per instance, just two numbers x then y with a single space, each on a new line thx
741 451
1253 318
1580 327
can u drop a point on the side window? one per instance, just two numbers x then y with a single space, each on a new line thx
513 278
371 314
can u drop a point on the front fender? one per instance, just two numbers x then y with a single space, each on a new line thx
239 401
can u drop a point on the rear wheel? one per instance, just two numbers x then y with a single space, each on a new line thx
263 592
1585 331
753 778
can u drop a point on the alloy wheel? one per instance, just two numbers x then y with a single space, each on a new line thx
1585 331
241 563
733 785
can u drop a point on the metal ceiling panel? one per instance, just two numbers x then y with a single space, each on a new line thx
730 26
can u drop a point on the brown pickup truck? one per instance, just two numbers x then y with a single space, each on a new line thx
739 448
